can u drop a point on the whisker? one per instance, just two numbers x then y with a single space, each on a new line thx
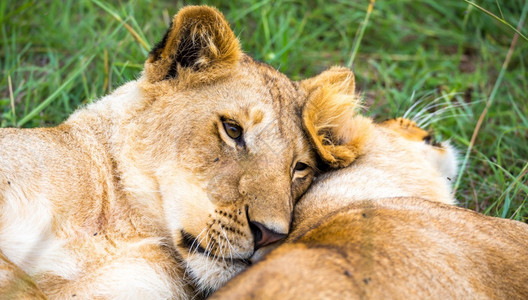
220 247
194 241
412 106
434 104
192 250
424 98
438 112
434 114
207 257
445 117
425 109
200 242
231 249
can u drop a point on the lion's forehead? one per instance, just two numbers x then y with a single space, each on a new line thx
269 101
281 90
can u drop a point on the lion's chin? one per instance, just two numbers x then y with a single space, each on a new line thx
210 273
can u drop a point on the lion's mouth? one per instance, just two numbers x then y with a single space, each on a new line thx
191 243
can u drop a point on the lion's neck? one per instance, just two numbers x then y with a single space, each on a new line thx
132 192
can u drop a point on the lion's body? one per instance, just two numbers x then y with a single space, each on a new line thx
164 188
384 228
393 248
68 221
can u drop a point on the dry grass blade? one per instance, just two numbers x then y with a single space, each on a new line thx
105 62
11 97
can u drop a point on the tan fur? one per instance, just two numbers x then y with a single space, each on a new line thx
393 248
15 284
407 129
334 144
384 228
142 194
219 48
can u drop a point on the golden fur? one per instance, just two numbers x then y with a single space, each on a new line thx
321 116
144 194
384 227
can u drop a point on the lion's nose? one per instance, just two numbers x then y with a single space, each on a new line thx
264 236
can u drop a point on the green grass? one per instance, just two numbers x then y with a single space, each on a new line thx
59 55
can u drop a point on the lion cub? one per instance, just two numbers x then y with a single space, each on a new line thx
167 186
383 227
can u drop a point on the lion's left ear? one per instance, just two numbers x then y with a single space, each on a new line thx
199 43
330 119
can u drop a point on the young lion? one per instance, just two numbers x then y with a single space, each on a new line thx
168 184
381 227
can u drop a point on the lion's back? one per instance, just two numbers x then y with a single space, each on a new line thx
30 159
395 248
408 246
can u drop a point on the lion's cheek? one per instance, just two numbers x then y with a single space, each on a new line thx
185 203
222 188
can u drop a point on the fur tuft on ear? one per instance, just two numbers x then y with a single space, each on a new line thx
199 43
330 118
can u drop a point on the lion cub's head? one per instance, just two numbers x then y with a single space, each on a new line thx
219 144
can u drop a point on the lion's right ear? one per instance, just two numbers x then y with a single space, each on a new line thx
330 117
198 44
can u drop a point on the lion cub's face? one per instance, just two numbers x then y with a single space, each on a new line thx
230 175
222 138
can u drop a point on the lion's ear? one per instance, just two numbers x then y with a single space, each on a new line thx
199 42
330 119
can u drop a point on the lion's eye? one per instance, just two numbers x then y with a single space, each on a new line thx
233 130
300 167
428 140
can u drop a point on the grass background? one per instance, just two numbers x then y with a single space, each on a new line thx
447 56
